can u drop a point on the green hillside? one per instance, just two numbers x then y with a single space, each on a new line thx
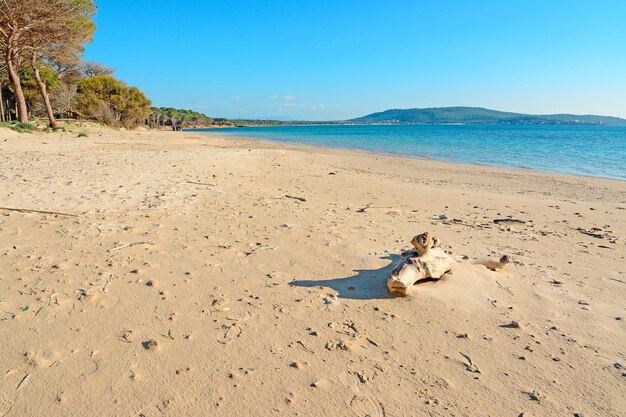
477 115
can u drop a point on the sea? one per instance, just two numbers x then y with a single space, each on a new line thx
598 151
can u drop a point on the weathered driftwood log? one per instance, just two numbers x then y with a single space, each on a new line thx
427 261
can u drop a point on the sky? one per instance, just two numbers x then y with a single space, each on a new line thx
339 59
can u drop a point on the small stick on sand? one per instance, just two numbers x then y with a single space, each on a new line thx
472 366
304 347
508 220
461 223
23 210
22 382
504 288
200 183
128 245
372 342
295 197
106 284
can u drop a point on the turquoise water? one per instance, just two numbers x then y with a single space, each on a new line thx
583 150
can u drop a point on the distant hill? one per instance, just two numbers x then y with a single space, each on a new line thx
477 115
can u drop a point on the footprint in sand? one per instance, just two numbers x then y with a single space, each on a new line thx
213 266
61 307
9 385
366 407
270 272
219 303
325 300
43 359
82 363
232 332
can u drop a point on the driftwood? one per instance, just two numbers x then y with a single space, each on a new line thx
428 260
22 210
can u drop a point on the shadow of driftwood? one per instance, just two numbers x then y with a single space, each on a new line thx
367 284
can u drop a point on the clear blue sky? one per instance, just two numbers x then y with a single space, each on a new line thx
336 59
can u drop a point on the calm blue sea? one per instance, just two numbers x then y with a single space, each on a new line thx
584 150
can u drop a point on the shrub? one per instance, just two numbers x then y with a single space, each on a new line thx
110 101
82 134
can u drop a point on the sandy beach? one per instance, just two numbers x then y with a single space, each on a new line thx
191 274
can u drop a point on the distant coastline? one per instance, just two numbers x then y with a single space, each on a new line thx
428 116
482 116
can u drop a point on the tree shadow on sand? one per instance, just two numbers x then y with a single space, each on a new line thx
367 284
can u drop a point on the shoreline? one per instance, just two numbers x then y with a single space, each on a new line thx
414 157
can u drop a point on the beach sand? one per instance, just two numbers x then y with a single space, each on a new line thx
191 274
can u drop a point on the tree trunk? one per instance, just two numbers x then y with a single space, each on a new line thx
44 92
14 77
1 105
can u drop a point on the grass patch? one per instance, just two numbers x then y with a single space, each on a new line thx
82 134
19 126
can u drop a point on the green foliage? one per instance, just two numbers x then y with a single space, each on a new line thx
29 83
80 30
82 134
110 101
169 116
92 91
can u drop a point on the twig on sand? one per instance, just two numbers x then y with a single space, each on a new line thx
200 183
462 223
128 245
504 288
22 381
372 342
106 284
472 367
304 346
296 198
369 206
508 220
23 210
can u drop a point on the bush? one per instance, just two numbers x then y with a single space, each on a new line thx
110 101
82 134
